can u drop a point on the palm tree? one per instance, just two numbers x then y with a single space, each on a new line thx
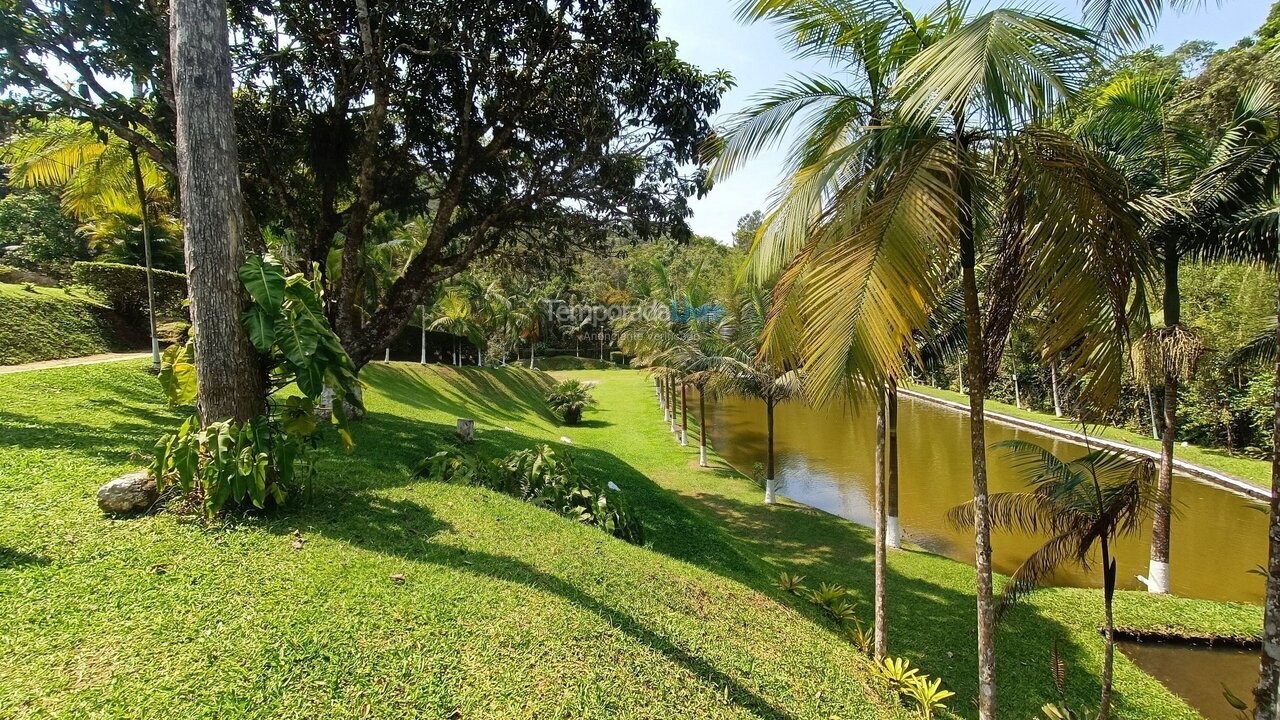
748 369
897 198
1245 180
1134 121
453 315
108 184
1080 504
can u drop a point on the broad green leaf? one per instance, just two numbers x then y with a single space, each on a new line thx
310 378
260 326
264 280
299 417
178 374
297 337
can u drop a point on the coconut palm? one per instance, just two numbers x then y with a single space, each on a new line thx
748 369
955 166
1082 506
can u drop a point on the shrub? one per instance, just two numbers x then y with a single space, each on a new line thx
542 476
569 398
268 458
124 287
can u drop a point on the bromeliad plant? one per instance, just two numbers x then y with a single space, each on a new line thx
268 458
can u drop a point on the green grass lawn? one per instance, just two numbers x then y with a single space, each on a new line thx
1252 470
48 324
505 610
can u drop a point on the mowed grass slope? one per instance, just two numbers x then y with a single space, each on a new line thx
504 610
49 324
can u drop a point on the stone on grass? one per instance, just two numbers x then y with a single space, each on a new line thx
135 492
466 430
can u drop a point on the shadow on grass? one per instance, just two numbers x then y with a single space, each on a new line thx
471 391
11 558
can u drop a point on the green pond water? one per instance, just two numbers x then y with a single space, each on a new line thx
825 458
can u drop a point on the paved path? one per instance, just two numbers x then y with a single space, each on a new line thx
1199 472
67 362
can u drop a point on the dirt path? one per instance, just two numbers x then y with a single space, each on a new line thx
67 362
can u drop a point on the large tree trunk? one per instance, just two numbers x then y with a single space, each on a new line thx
1161 526
881 629
1161 530
978 450
770 489
893 528
228 370
1265 698
702 428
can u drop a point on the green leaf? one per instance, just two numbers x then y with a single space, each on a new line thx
178 374
297 338
260 326
299 416
264 279
310 378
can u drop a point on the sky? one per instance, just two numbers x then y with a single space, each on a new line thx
711 38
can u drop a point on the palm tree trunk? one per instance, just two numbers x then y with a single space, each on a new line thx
1265 697
229 376
702 428
770 490
1151 409
1158 571
1053 380
893 528
881 631
671 384
1109 631
1017 393
978 450
531 352
141 189
422 360
387 357
684 416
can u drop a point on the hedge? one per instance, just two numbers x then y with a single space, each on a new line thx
124 287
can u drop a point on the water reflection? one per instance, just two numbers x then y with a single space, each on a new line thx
826 459
1198 673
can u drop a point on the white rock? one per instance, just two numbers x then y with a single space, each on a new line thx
564 439
130 493
614 486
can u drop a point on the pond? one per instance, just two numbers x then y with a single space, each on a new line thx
826 459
